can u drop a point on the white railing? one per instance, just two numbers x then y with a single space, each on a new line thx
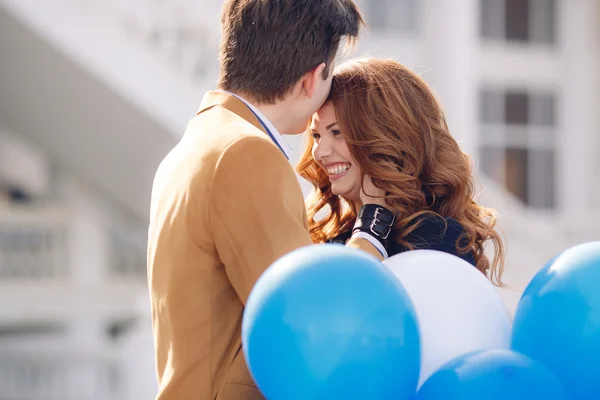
32 243
59 376
34 247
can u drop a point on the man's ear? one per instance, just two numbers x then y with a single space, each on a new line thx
311 79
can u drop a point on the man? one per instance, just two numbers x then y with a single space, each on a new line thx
226 202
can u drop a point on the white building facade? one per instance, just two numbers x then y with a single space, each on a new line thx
94 93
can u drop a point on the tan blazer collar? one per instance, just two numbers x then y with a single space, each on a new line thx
231 103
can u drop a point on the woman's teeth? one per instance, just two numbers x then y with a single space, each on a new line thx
337 169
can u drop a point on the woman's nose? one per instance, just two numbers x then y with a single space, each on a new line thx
322 150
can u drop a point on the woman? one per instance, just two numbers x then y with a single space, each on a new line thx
382 132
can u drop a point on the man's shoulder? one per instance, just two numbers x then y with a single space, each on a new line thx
251 151
218 132
218 146
221 123
207 138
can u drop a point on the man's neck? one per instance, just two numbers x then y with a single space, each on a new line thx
277 114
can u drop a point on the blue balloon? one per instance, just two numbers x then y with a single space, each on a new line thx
492 375
557 321
330 322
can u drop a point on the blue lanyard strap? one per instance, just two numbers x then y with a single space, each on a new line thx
268 132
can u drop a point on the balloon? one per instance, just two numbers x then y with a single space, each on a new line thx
557 321
329 322
492 375
458 309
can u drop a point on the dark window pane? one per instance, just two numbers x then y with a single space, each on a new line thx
392 15
516 179
376 13
543 21
517 20
516 108
490 25
491 161
543 110
490 106
543 179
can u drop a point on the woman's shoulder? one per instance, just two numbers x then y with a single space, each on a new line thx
437 233
435 229
436 225
432 233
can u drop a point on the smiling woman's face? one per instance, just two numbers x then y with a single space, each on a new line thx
331 153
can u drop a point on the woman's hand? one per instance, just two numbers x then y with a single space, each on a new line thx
371 194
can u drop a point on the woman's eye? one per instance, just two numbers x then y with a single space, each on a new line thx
336 132
315 135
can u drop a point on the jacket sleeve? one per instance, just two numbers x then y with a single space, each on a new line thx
257 211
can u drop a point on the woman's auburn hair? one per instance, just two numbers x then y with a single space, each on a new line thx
397 133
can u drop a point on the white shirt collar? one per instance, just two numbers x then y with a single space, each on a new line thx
276 135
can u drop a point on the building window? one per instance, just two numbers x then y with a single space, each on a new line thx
518 143
516 19
392 15
531 21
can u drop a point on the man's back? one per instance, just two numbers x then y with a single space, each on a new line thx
226 203
200 273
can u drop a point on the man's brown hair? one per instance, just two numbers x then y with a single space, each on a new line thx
267 45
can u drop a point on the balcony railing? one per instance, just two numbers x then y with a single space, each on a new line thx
34 246
59 376
32 243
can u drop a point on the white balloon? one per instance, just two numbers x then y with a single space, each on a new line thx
458 308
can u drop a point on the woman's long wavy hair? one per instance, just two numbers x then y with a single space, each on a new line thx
397 133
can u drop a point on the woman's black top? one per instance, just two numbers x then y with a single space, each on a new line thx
431 234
